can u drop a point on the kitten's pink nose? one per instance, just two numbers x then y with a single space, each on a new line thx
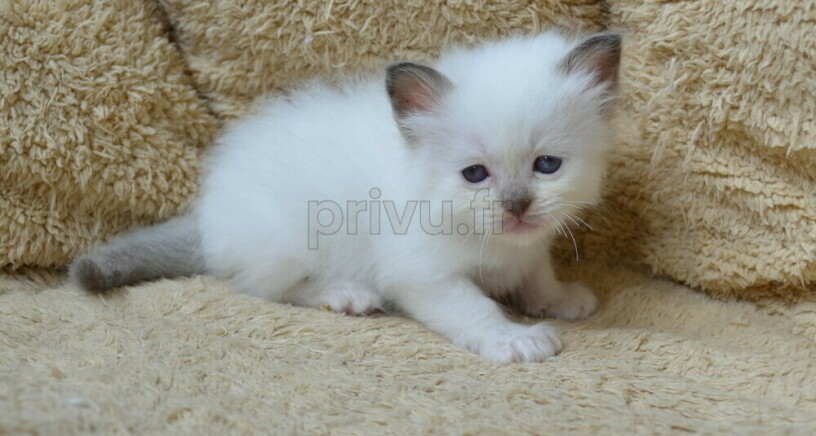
518 206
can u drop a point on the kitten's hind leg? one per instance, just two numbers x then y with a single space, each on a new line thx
459 310
344 297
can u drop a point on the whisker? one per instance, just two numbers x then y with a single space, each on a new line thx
471 233
561 227
578 207
574 244
583 222
554 225
588 203
576 219
481 250
566 214
571 236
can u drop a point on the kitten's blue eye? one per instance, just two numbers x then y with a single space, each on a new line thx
547 164
475 173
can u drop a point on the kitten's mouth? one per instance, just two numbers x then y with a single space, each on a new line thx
519 226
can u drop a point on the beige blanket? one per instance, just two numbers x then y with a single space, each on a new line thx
188 357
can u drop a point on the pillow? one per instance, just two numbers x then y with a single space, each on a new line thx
101 128
713 181
238 50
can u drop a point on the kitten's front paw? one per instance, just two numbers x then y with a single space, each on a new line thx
523 344
577 302
351 299
573 302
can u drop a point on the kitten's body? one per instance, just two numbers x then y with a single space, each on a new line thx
500 107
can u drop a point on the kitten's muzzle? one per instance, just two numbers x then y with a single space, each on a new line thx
518 206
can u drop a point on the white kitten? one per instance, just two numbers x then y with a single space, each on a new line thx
431 189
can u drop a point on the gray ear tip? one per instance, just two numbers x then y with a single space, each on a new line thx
404 66
423 73
610 40
598 54
396 67
394 70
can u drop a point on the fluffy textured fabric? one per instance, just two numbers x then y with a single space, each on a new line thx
100 128
238 50
189 357
714 179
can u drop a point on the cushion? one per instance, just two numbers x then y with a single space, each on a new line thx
713 180
101 127
238 50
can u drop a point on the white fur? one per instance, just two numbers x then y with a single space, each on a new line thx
509 105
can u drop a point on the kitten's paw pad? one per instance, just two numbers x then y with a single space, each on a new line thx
526 344
577 302
351 299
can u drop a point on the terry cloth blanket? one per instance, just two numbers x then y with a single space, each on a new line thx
189 357
107 108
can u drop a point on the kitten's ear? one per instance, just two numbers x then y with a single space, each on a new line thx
414 88
599 55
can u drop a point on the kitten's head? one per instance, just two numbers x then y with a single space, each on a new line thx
514 133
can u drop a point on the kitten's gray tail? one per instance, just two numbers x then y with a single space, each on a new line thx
169 249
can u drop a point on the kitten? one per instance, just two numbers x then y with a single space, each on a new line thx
429 189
